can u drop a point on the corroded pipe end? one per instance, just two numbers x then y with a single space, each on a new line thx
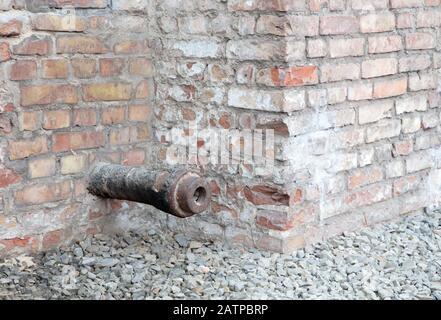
190 195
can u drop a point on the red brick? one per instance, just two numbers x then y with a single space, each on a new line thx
56 119
84 117
48 94
21 149
5 53
33 45
133 158
131 47
52 239
139 113
290 77
43 193
77 140
23 70
84 68
275 220
55 69
8 177
111 67
141 67
264 195
29 121
10 28
113 115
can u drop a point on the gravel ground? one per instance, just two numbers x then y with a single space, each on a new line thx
395 261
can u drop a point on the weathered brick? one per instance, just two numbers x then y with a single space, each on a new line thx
48 94
42 167
107 92
346 47
369 5
374 111
336 118
255 50
426 141
385 44
10 28
339 72
423 81
419 161
21 149
56 119
406 184
23 70
428 19
363 177
80 44
288 25
77 140
266 5
132 47
60 23
406 3
403 148
338 24
359 92
377 22
275 101
383 130
405 20
411 104
415 63
391 88
33 45
317 48
43 193
133 158
379 67
420 41
411 123
55 69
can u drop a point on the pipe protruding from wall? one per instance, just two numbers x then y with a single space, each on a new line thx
182 193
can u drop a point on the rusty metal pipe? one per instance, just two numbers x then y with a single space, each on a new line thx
182 193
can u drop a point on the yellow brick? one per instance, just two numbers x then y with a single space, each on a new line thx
73 164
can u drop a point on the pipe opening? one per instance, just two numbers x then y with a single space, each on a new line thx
200 195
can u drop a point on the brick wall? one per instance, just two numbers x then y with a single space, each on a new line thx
351 89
